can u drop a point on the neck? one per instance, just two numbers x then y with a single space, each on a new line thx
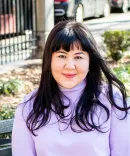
73 93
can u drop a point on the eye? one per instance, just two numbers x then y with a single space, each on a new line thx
62 56
78 57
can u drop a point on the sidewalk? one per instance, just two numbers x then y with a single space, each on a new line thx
7 67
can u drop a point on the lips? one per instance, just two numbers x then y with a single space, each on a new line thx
69 75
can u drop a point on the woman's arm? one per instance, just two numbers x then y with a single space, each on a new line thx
120 131
22 141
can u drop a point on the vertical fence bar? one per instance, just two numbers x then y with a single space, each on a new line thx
22 29
12 3
18 29
34 25
27 37
20 33
4 31
13 56
36 20
1 12
15 22
29 26
9 31
25 19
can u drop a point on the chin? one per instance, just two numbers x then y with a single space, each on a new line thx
69 86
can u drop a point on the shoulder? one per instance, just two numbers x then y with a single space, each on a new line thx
120 103
104 95
30 96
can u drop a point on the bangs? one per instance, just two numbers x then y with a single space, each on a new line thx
66 40
70 36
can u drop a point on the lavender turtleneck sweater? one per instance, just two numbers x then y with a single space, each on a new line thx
50 141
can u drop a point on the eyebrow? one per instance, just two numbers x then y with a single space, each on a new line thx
64 52
79 53
61 52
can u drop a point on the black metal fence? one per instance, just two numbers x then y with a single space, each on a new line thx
17 29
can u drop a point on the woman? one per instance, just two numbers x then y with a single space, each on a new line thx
79 108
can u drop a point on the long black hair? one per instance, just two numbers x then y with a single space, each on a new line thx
48 96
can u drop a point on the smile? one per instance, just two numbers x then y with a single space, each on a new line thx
69 75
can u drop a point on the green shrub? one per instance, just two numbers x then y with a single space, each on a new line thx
117 43
11 87
6 112
123 73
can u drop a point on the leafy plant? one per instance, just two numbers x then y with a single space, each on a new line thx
6 112
117 43
11 87
123 73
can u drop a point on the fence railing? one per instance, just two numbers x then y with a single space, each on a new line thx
17 29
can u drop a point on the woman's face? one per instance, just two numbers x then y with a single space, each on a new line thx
69 68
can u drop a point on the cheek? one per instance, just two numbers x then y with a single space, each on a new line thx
83 68
56 66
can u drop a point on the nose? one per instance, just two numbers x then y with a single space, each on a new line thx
70 64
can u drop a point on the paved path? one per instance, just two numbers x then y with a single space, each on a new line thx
5 68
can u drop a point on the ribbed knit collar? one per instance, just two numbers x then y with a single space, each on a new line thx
73 93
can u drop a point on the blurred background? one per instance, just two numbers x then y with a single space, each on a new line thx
25 25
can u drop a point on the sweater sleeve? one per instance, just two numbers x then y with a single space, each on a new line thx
22 141
120 131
